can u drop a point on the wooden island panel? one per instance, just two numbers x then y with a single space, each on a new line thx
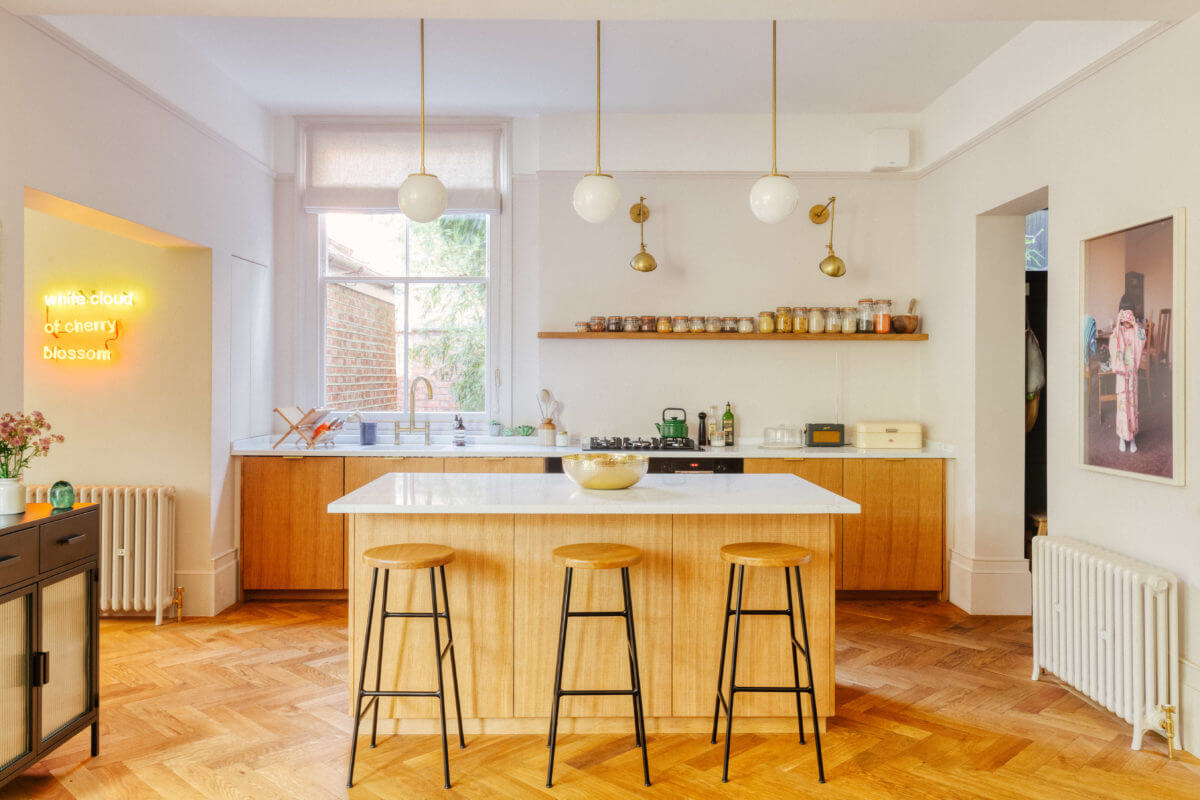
361 470
824 472
700 584
596 654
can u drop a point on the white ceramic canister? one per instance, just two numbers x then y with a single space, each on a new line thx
562 439
12 496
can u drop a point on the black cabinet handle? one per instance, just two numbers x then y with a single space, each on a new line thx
39 667
72 539
45 668
13 557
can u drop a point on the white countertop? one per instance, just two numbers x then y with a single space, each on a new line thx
513 447
435 493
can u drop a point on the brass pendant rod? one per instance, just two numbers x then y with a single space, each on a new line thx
774 166
422 95
642 225
832 214
598 97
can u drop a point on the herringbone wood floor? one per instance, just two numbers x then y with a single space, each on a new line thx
932 703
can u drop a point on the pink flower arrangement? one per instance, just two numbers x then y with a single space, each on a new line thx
23 437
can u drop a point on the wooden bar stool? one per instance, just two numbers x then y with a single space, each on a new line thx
599 556
433 557
765 554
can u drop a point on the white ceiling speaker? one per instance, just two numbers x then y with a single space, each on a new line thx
597 196
422 197
888 149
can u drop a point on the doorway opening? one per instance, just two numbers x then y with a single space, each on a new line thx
1036 274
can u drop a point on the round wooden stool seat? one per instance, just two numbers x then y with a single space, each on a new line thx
597 555
765 554
409 556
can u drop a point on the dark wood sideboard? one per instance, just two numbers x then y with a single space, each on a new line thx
49 632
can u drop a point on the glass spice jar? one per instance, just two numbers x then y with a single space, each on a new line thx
615 325
647 324
582 327
631 325
596 324
849 320
800 320
712 324
866 316
883 316
745 325
729 325
766 322
833 320
679 325
783 319
664 325
696 324
816 319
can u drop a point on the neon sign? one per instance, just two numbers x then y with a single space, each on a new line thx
109 328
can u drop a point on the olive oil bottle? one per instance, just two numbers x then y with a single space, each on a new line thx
727 425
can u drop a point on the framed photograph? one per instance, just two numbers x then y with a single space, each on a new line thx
1131 389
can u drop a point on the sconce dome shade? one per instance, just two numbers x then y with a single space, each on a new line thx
422 197
596 197
773 198
833 266
643 262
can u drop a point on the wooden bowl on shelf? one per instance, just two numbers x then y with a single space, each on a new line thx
905 323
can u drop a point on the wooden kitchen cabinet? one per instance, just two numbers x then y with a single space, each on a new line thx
824 472
897 542
362 470
495 464
289 540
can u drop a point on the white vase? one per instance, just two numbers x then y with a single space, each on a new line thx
12 496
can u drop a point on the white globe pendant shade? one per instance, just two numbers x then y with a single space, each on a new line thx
596 197
773 198
422 197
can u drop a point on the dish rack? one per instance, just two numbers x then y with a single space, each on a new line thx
310 426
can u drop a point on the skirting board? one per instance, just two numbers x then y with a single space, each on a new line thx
539 725
991 586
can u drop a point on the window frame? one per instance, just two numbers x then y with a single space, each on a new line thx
493 340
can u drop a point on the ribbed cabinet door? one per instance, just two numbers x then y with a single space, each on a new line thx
66 638
16 691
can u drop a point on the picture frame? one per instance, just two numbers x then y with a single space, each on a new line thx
1131 349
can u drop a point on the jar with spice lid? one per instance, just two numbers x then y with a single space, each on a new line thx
647 324
712 324
883 316
800 319
664 325
866 316
783 319
696 324
679 325
631 325
596 324
766 322
745 325
849 320
833 320
729 325
816 319
582 327
615 324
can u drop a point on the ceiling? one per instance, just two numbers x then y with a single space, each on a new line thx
522 67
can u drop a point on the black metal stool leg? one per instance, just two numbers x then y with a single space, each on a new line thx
437 660
721 668
639 716
812 686
558 670
791 617
737 629
362 677
462 743
383 618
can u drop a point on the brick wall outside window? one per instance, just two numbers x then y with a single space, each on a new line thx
360 349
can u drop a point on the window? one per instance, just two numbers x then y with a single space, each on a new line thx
402 300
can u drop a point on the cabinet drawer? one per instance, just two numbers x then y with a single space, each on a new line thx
18 557
66 540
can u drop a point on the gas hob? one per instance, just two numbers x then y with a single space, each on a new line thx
654 443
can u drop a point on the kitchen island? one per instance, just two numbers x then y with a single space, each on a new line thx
505 595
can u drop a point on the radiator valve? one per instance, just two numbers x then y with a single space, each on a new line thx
1168 726
178 603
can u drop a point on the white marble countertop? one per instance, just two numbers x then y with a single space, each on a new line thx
485 446
434 493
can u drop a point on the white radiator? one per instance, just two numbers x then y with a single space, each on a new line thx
137 545
1108 626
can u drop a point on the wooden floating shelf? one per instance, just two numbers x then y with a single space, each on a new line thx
742 337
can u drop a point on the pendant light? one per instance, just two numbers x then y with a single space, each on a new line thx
774 196
597 195
422 196
642 261
831 265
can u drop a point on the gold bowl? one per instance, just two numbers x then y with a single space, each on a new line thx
605 470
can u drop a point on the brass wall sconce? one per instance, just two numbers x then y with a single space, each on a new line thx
831 265
642 261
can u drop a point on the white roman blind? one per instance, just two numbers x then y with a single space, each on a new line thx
360 166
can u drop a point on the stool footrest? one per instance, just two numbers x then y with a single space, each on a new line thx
414 614
396 693
780 689
759 612
597 692
595 613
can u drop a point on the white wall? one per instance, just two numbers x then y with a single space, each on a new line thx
78 132
1105 168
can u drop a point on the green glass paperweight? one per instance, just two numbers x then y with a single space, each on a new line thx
62 496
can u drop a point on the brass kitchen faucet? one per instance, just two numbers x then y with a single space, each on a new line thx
412 410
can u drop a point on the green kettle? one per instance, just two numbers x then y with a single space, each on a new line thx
673 427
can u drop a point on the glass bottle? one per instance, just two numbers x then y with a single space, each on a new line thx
883 316
727 425
816 320
745 325
766 322
849 323
664 325
866 315
833 320
800 320
783 319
